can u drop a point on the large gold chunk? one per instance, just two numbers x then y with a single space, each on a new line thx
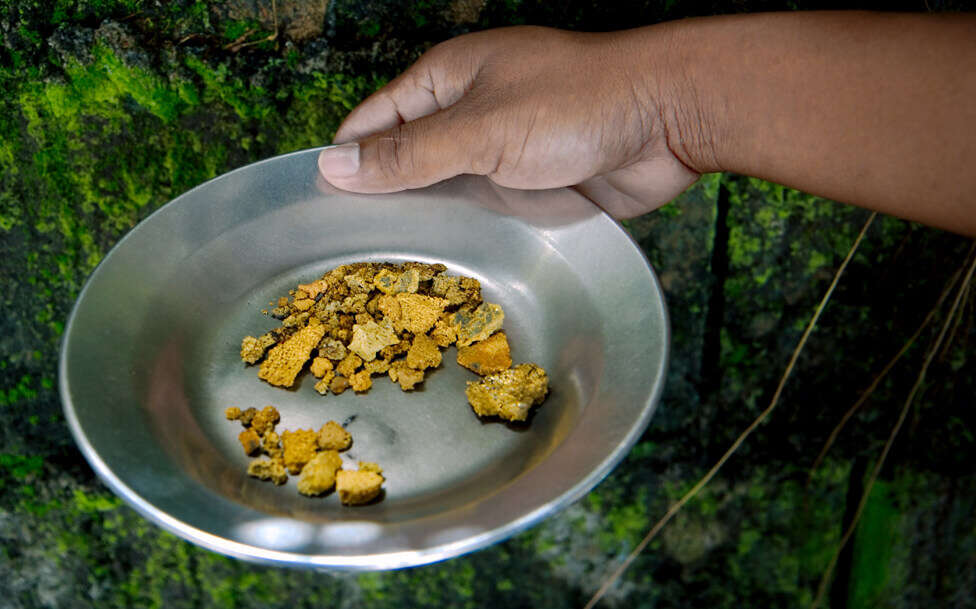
285 361
509 394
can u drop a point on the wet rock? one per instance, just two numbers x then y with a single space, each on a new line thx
315 57
122 41
388 56
72 43
462 12
295 19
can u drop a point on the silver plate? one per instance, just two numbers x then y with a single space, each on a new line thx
150 361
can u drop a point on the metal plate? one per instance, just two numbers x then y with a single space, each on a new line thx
150 360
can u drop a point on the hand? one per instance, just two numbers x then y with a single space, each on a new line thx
528 107
838 104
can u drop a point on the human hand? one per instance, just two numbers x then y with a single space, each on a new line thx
527 107
838 104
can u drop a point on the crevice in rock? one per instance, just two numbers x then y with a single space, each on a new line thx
839 591
711 373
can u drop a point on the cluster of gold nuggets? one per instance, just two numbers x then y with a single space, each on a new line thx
366 319
313 456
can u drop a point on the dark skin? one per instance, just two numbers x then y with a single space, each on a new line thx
876 110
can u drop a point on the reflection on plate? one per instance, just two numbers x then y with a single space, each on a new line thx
150 361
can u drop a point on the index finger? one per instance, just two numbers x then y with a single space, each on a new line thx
437 80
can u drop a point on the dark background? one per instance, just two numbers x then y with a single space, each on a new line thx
109 109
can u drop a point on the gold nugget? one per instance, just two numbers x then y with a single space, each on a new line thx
285 361
509 394
488 356
359 487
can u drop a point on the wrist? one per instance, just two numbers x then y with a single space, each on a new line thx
692 108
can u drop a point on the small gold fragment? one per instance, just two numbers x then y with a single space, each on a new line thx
268 469
250 440
333 437
359 487
265 420
423 353
319 474
299 448
488 356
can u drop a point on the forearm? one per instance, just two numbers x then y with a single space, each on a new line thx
870 109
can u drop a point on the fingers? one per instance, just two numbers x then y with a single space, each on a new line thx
434 82
401 101
415 154
398 137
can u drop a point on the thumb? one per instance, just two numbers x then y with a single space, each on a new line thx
411 155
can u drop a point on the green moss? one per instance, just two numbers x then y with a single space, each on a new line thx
449 584
147 90
369 28
627 522
20 466
246 28
102 147
709 184
873 543
25 389
317 107
65 10
220 86
90 503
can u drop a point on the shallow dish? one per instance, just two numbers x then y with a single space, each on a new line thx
149 362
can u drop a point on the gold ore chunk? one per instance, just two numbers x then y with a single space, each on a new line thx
488 356
370 337
299 448
359 487
252 349
477 325
268 469
285 361
333 437
319 473
509 394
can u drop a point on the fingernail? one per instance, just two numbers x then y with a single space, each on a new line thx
339 161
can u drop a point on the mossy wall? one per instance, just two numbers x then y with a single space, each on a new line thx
110 109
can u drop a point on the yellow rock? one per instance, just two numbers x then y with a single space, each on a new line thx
488 356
